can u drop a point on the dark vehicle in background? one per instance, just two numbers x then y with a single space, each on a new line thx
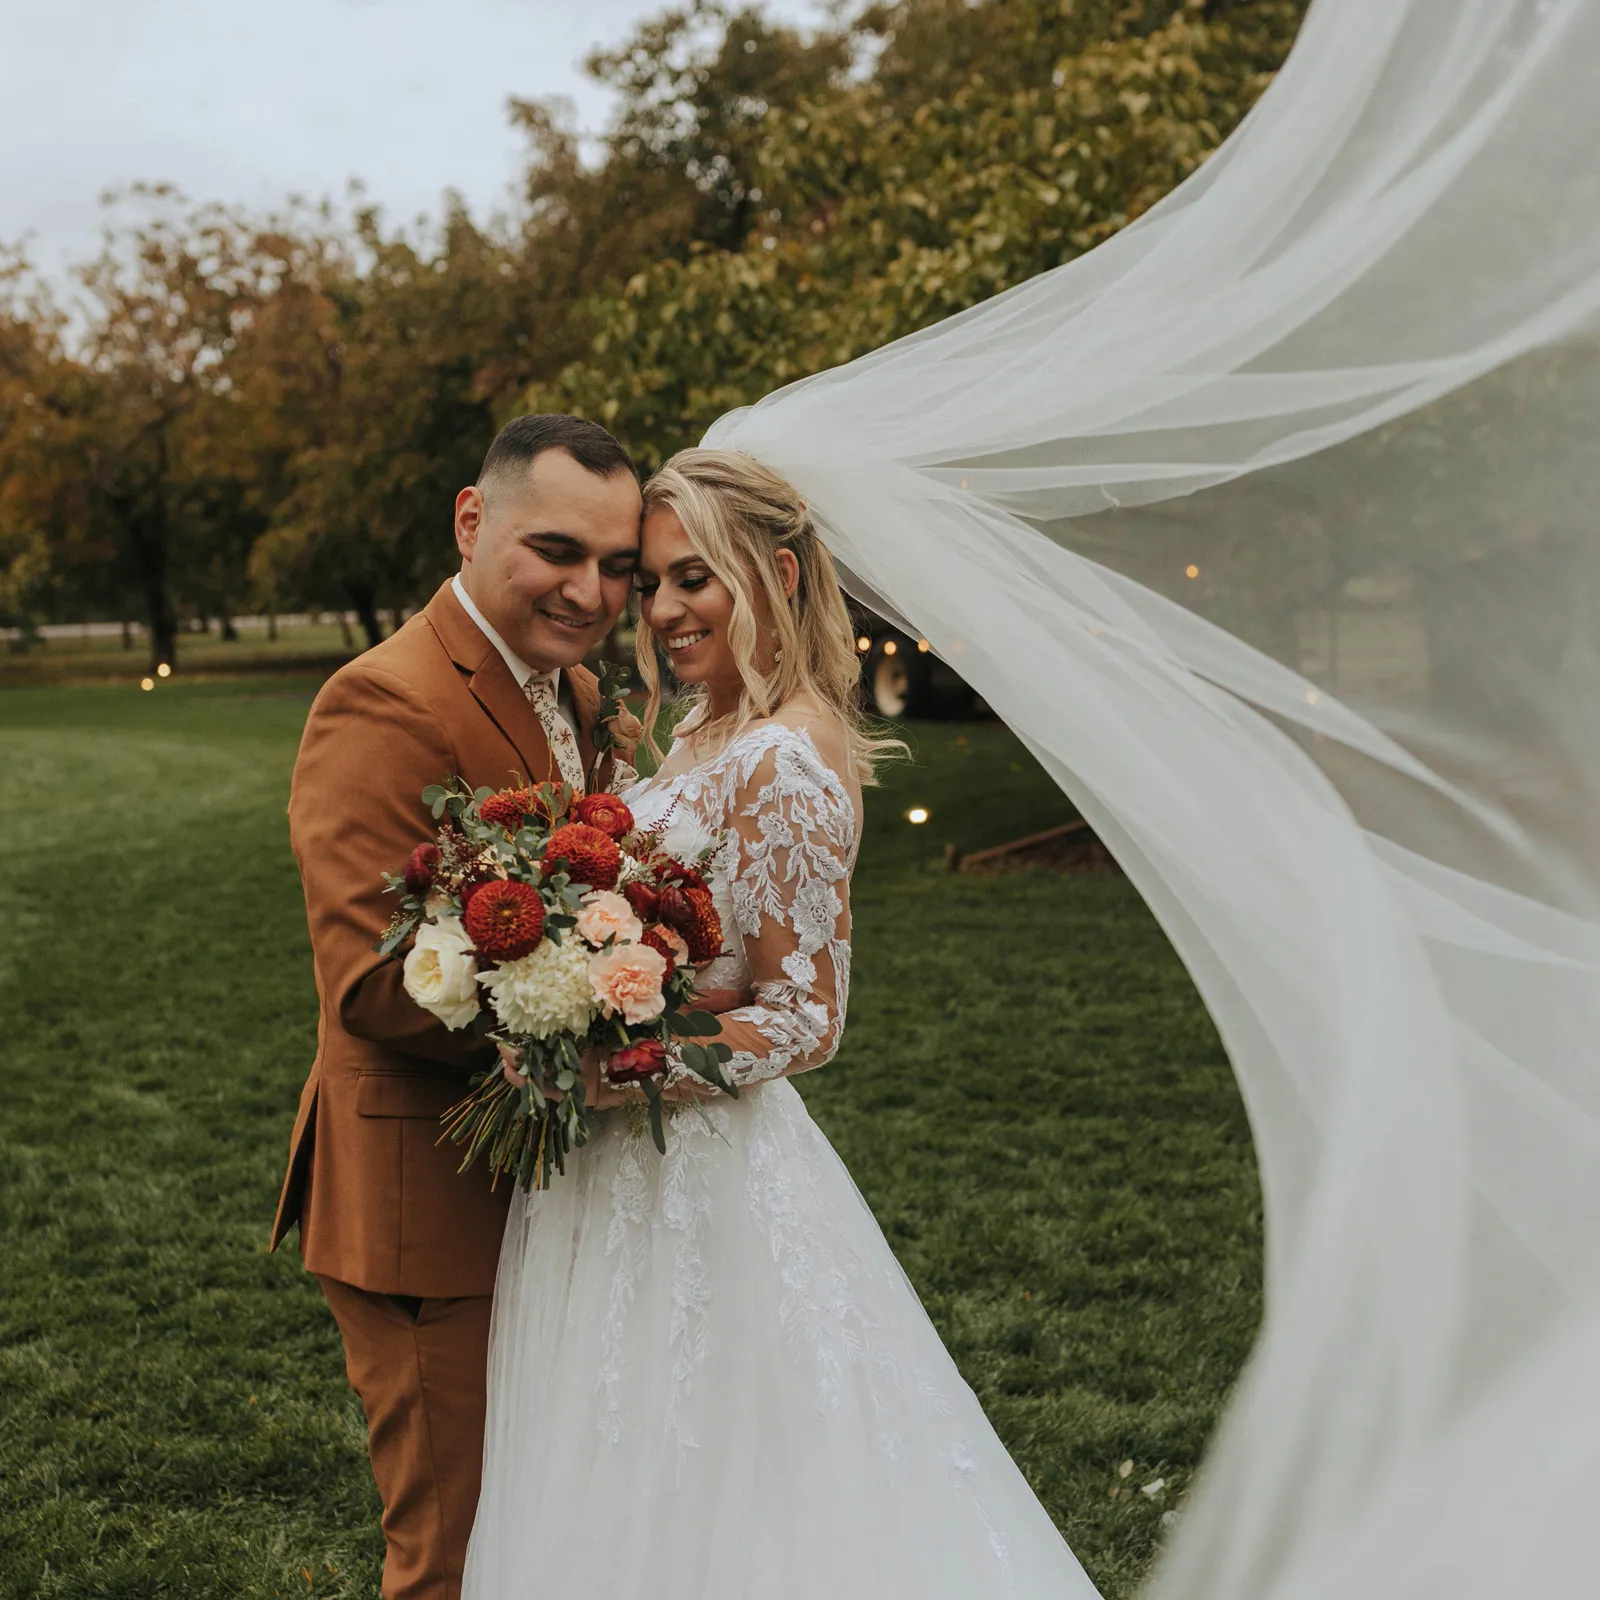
902 679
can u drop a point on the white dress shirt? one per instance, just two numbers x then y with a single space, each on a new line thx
520 670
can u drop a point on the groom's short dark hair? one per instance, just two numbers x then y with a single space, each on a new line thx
524 438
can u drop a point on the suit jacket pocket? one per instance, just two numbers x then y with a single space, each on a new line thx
407 1094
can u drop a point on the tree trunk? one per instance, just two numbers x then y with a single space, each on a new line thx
144 520
344 628
272 627
230 634
127 634
147 530
366 609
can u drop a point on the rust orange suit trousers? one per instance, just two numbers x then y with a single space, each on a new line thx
420 1367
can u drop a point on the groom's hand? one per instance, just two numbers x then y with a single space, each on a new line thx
509 1057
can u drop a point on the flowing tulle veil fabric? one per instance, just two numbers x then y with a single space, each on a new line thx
1271 526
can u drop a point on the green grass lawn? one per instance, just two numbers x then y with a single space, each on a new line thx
1030 1096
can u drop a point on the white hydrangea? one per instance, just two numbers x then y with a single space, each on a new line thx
543 993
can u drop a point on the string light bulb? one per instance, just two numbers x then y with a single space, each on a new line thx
890 647
923 647
917 814
1191 571
863 644
163 671
147 683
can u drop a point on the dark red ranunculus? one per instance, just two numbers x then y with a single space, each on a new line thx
642 1060
667 870
420 867
674 909
605 812
590 856
504 920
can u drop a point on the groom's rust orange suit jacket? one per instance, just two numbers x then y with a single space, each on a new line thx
378 1199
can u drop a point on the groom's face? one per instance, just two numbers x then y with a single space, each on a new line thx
548 553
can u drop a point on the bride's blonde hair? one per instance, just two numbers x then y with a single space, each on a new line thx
738 514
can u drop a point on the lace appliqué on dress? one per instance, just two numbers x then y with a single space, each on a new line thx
784 873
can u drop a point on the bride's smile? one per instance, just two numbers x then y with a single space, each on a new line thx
689 608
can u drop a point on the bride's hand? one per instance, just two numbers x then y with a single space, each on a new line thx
599 1092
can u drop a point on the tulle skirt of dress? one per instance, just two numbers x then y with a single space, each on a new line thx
709 1379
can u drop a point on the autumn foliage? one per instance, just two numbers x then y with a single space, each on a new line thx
274 414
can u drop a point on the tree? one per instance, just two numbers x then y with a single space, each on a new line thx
106 467
972 157
399 409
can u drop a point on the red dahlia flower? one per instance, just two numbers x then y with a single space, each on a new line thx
605 812
590 856
642 1060
510 808
704 934
420 867
471 887
505 920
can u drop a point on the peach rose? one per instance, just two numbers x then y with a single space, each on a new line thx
627 978
606 915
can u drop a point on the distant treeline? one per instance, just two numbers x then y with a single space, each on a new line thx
274 415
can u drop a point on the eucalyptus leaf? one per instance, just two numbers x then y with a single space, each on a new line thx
696 1025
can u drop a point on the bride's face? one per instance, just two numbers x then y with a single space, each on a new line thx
687 606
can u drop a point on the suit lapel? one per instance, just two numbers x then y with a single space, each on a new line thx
492 686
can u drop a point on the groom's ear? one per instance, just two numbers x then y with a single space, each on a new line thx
469 520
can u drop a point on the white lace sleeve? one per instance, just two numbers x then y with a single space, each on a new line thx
793 828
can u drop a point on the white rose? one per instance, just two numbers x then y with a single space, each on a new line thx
545 992
439 972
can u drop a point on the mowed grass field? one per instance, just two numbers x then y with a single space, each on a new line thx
1029 1095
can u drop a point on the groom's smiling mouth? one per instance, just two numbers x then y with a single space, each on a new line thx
574 624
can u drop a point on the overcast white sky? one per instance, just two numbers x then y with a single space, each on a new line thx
247 102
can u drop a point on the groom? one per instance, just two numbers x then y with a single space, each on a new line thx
484 683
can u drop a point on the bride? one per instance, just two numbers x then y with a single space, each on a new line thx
708 1376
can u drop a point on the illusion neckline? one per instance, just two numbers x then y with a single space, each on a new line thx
747 735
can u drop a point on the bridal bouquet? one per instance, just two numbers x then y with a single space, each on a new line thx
550 923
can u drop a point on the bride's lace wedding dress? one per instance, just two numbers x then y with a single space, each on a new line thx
708 1377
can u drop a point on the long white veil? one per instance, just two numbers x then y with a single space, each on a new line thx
1271 526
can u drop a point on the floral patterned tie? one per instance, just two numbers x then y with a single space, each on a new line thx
541 692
